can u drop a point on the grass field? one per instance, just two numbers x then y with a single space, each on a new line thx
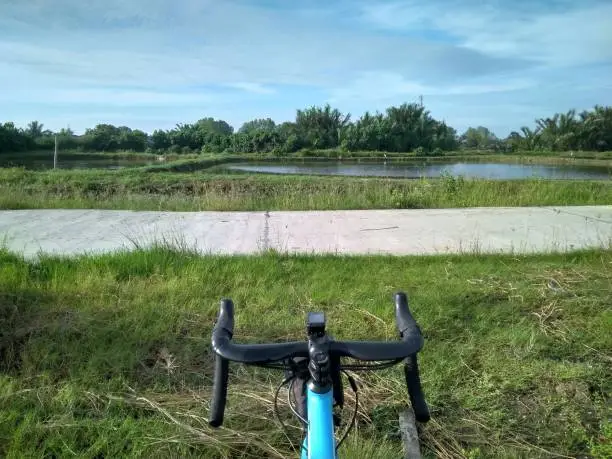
108 356
195 191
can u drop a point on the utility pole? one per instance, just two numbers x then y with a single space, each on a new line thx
422 120
55 153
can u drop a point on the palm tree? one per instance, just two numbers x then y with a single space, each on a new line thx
34 129
530 138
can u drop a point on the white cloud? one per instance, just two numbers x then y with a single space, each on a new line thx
111 97
576 33
387 86
220 43
255 88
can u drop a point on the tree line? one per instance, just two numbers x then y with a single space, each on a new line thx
406 128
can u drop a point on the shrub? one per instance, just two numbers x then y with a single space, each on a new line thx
408 199
450 183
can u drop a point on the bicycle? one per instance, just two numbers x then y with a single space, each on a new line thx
316 365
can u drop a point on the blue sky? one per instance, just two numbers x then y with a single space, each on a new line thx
154 63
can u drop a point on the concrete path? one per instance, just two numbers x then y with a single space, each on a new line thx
519 230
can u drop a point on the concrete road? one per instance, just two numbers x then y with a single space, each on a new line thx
519 230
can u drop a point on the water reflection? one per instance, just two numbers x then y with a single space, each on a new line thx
430 170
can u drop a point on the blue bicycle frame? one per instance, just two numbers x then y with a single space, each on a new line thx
320 442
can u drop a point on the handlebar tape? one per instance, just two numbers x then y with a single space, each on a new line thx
406 325
224 325
225 320
415 391
219 398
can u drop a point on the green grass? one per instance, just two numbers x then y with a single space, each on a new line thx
82 155
189 163
108 356
543 156
176 191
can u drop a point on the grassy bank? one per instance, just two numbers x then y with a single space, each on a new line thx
541 157
109 356
83 155
138 190
204 162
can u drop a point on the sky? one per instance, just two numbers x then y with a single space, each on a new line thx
151 64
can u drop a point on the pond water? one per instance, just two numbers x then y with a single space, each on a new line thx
428 170
40 162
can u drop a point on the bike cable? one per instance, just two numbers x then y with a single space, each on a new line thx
277 412
350 426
